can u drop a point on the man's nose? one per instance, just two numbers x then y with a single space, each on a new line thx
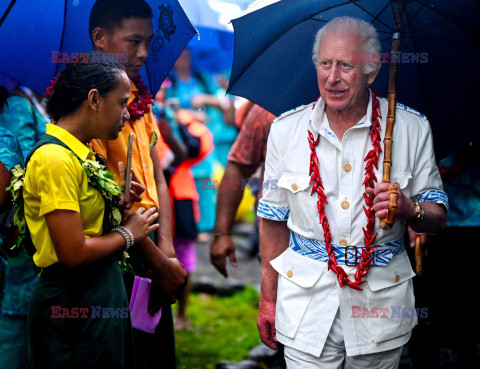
126 114
334 74
142 52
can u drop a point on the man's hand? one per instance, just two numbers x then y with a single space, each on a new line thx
266 323
202 100
171 278
221 248
412 236
406 207
424 237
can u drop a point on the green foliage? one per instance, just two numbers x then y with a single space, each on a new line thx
224 328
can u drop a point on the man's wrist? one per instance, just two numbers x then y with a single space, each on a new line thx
217 234
419 213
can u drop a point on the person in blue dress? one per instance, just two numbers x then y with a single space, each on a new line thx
25 117
193 90
10 156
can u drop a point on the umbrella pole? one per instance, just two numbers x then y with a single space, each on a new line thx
389 221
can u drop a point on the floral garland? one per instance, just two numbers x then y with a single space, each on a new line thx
16 186
370 179
98 176
141 104
49 90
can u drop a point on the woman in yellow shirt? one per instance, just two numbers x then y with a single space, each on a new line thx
79 315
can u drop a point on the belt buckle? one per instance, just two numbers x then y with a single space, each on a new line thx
346 255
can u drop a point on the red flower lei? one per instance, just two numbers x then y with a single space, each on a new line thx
141 104
49 90
370 179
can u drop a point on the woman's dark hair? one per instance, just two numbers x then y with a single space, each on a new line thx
108 14
73 84
3 97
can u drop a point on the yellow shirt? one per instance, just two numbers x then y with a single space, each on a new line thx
146 135
55 180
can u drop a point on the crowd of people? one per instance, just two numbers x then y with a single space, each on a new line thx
72 142
326 264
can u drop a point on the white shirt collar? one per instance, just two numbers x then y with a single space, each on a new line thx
319 121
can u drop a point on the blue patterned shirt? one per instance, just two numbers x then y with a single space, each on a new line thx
21 278
18 118
10 150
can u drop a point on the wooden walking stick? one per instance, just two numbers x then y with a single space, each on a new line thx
389 221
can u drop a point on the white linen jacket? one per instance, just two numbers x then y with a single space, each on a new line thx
308 295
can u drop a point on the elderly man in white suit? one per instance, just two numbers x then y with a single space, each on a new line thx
336 288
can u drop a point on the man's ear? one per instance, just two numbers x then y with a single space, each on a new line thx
93 98
371 77
98 38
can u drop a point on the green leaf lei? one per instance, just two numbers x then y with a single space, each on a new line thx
98 176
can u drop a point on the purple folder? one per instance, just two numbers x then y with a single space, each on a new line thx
141 318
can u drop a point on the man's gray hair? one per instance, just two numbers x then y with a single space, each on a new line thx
348 25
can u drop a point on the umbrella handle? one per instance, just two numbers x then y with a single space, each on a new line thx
418 255
389 221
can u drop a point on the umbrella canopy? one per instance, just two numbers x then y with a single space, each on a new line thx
213 49
437 73
37 35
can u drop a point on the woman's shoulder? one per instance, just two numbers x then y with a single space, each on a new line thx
52 156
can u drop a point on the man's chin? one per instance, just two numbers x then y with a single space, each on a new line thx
132 74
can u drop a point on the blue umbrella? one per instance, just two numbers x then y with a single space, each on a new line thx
213 49
437 73
39 35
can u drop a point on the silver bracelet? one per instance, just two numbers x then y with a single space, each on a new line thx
125 235
129 232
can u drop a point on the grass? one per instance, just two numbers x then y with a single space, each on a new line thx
224 328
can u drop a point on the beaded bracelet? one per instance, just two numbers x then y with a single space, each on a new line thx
125 235
129 232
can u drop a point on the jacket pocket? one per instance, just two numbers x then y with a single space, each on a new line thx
301 204
297 276
397 271
392 287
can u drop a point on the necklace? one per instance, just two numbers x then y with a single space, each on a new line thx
98 177
141 104
370 179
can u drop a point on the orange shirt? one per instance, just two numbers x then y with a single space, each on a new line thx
182 183
146 136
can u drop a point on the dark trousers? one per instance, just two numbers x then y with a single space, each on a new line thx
157 350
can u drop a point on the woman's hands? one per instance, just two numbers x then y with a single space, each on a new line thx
142 222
